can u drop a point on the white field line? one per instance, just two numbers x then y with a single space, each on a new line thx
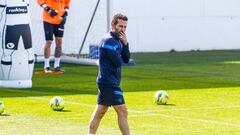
69 102
151 112
42 98
189 119
176 109
189 109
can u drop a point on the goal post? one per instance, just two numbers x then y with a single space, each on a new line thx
89 26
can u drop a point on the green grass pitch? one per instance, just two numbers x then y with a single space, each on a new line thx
204 90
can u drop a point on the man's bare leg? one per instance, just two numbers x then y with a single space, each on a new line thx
47 52
122 118
97 116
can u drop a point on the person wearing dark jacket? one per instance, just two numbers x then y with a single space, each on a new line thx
113 52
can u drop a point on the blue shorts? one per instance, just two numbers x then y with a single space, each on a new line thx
110 96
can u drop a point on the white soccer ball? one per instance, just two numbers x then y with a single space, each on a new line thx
161 97
1 107
57 103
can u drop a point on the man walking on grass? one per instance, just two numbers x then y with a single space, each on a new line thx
113 52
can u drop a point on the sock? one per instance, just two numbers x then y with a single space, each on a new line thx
46 62
57 62
90 134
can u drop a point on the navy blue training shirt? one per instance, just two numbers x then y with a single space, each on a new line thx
112 54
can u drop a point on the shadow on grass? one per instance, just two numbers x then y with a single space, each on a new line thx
4 115
66 111
169 104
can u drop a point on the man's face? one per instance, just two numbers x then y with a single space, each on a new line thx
120 27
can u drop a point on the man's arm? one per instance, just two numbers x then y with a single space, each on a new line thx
125 54
67 4
41 2
111 51
46 8
66 8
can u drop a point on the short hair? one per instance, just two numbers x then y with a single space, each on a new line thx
119 16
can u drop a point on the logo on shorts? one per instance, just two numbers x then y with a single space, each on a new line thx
120 100
10 46
60 29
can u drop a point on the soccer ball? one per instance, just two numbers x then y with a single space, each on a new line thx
161 97
1 107
57 103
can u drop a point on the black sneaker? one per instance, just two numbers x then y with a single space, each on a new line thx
58 69
47 70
